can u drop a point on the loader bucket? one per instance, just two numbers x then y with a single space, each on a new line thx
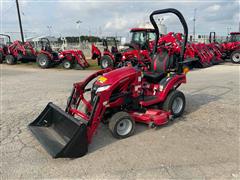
60 133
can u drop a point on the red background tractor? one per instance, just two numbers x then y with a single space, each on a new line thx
69 58
5 42
73 59
232 47
18 51
137 50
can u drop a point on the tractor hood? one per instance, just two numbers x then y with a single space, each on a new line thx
115 76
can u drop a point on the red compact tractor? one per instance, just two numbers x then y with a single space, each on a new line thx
216 48
137 51
5 42
120 98
18 51
73 59
231 48
47 58
110 58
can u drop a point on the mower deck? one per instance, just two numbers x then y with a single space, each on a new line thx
151 116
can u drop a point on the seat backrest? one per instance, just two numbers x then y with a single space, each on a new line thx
161 62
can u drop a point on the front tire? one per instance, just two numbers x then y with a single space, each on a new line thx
67 64
106 62
10 59
43 61
175 103
235 56
121 125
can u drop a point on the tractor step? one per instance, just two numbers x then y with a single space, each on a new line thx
60 133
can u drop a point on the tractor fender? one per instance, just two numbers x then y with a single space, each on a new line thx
49 55
170 83
107 53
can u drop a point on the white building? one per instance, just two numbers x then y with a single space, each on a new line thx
202 38
36 40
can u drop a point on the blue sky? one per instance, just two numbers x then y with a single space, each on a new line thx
114 17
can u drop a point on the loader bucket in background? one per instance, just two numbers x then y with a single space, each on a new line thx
60 133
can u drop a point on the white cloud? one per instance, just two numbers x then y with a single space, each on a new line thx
214 8
115 16
117 23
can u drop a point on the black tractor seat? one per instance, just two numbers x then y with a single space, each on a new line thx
154 77
159 67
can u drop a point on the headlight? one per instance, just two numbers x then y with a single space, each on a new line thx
103 88
123 57
60 56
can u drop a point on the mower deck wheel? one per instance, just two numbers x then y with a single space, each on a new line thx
175 102
121 125
106 62
43 61
10 59
67 64
235 56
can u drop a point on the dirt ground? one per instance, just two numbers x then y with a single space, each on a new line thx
204 143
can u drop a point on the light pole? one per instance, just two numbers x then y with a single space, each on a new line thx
160 20
49 28
228 30
194 23
78 27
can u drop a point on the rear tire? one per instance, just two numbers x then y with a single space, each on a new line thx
67 64
106 62
175 103
235 56
121 125
10 59
43 61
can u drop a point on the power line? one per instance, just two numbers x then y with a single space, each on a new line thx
6 10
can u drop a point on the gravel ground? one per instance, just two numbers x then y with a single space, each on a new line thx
204 143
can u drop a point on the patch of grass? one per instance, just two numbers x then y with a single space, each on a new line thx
93 64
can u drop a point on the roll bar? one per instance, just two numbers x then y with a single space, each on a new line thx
105 41
183 22
210 37
9 38
41 40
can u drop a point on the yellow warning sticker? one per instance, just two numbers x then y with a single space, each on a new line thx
102 79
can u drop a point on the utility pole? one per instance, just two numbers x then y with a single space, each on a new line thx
78 26
20 21
49 29
194 23
239 27
228 30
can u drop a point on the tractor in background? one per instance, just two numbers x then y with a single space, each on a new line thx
19 51
136 52
4 43
231 47
48 58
